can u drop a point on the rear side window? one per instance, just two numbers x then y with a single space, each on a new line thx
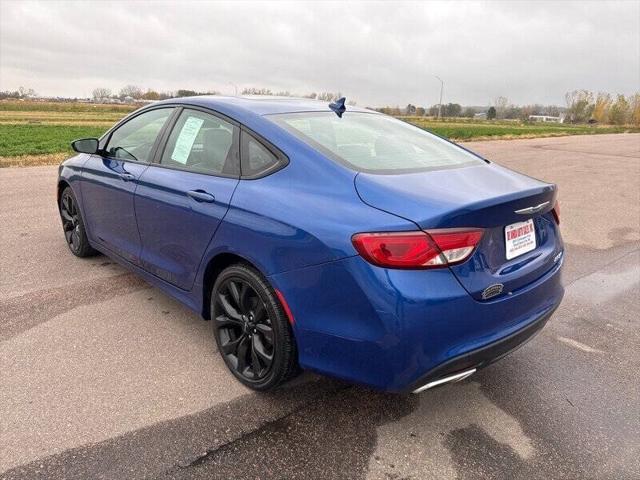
134 140
374 143
203 143
257 159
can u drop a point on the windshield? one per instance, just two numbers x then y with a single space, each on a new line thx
375 143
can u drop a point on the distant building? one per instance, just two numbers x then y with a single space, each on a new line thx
480 116
546 118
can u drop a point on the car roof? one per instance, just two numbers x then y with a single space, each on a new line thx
258 105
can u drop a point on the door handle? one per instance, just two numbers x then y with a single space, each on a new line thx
127 177
201 196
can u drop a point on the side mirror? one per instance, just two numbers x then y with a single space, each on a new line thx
85 145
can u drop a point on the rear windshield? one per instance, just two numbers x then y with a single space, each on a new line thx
369 142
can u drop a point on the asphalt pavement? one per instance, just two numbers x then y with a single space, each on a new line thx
103 376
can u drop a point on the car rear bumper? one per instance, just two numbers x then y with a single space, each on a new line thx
397 330
468 363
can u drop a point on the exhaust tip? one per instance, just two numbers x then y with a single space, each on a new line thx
450 379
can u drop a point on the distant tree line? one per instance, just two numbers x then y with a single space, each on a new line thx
21 92
136 93
501 109
323 96
602 107
582 107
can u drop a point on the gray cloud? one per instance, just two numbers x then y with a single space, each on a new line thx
377 53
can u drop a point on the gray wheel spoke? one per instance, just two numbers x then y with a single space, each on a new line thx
258 348
259 311
66 215
243 346
70 205
256 368
231 347
266 331
244 294
225 321
235 294
228 308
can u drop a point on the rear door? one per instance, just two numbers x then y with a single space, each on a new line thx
185 193
109 181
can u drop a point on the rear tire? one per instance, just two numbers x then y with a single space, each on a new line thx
73 225
251 329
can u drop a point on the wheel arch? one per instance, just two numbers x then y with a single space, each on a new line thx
62 184
215 266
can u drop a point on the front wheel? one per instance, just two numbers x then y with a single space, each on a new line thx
73 225
251 329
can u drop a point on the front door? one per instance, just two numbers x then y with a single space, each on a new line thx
109 181
183 197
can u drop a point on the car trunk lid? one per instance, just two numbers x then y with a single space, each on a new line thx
485 196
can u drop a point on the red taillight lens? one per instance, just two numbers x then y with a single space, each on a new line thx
456 245
432 249
396 250
556 212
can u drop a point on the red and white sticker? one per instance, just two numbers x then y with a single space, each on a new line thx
519 238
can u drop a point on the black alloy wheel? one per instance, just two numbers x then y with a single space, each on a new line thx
73 226
245 329
252 332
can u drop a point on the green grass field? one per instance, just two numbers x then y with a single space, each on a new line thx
478 130
42 139
39 133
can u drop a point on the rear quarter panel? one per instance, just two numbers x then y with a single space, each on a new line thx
304 214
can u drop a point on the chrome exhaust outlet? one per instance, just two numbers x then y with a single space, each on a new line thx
450 379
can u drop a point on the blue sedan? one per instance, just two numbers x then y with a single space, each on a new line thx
322 237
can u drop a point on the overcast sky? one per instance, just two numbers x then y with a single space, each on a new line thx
375 53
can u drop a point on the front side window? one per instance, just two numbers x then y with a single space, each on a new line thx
369 142
202 143
134 140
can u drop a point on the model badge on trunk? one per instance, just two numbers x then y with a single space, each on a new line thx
492 291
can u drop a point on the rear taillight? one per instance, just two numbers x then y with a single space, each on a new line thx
430 249
456 245
556 212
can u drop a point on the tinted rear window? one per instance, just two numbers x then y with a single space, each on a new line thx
375 143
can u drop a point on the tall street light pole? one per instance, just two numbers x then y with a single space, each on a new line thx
440 104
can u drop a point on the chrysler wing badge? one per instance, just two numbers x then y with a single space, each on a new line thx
530 210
